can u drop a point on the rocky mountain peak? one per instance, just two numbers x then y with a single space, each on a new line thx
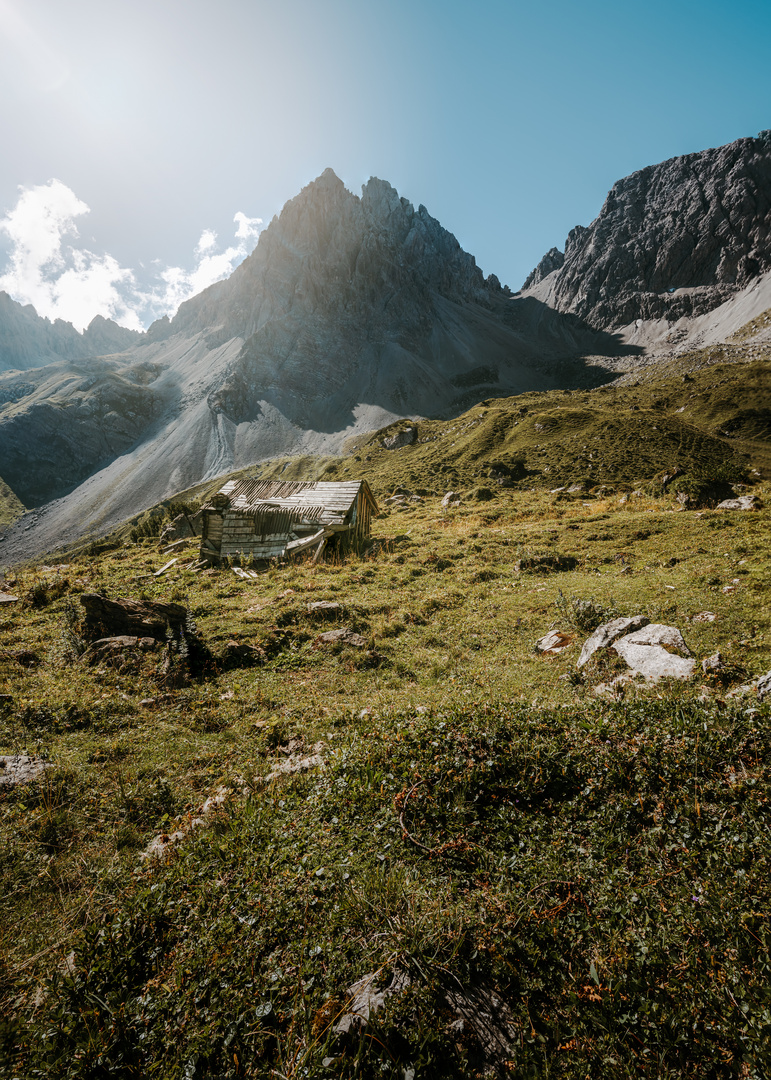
673 239
331 247
552 260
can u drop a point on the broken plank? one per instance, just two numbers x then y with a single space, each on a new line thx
320 549
177 544
163 569
296 546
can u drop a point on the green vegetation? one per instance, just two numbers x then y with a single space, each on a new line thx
11 507
754 326
484 826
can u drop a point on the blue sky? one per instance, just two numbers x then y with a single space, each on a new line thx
509 121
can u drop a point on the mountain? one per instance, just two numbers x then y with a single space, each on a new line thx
672 241
351 311
27 340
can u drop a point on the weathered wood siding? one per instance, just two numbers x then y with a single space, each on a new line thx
262 519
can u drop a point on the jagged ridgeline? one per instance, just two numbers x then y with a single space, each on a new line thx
673 240
351 312
355 312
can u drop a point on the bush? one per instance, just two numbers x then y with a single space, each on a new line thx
585 615
703 486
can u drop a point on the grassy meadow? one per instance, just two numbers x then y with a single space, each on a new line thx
550 881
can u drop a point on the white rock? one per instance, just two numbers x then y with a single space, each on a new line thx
607 633
366 998
744 502
402 438
554 642
20 768
653 661
713 664
452 498
658 634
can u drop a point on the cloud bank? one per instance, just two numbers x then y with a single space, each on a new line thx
48 267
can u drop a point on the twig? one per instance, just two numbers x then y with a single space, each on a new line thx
405 830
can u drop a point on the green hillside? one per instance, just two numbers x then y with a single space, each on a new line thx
11 508
552 878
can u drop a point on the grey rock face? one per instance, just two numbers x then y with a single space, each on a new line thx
350 313
64 421
552 260
402 438
606 634
672 240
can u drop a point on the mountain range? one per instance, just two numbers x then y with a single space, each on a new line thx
353 311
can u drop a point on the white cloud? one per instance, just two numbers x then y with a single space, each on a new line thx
248 228
207 242
48 269
61 282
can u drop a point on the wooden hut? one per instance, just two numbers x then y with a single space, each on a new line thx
272 519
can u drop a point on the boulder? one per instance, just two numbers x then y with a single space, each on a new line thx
654 662
135 618
343 636
451 498
656 652
743 502
112 648
658 634
606 634
405 437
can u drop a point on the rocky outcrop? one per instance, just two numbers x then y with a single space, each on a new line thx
27 340
673 240
552 260
139 619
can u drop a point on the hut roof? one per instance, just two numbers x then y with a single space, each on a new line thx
314 500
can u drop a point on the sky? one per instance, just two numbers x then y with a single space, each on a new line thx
145 144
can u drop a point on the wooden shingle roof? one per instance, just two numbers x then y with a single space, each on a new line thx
326 502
